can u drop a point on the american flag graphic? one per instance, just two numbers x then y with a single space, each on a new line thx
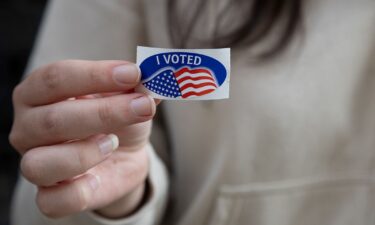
182 83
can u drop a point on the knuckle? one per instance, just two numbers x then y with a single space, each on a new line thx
15 139
51 77
94 75
51 121
29 167
82 197
82 161
106 113
16 94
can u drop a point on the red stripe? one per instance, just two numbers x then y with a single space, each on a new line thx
194 71
190 93
195 78
197 85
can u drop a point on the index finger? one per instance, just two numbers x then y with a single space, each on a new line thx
71 78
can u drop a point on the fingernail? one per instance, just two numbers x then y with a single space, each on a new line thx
142 106
126 74
108 144
94 182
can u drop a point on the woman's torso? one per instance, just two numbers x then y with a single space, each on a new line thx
295 143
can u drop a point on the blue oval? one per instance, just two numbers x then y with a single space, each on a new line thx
160 61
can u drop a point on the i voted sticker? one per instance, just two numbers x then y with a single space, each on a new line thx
184 74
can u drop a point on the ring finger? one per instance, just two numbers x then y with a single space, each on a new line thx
47 165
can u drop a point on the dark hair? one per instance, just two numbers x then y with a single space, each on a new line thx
258 20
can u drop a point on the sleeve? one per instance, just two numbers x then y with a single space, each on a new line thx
93 30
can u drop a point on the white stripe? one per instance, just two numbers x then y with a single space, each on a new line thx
196 82
162 70
197 89
193 75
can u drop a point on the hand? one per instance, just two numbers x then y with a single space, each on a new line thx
63 115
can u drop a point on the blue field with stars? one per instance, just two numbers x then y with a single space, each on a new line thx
164 84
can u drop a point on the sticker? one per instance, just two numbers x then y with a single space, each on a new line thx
184 74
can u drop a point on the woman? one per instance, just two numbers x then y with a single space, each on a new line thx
293 144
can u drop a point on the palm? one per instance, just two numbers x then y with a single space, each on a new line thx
120 173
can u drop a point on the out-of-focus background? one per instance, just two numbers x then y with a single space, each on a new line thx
19 21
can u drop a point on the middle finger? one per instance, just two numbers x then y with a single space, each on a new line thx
79 119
